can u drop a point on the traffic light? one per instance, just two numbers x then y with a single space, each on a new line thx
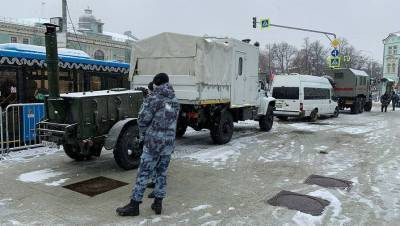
254 22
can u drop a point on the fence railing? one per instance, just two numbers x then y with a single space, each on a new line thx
18 126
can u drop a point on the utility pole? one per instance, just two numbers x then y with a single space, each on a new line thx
64 16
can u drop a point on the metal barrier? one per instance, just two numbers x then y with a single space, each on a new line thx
2 151
20 126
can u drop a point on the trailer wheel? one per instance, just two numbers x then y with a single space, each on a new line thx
222 130
314 115
127 153
74 153
368 106
266 121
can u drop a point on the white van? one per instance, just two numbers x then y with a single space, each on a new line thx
303 96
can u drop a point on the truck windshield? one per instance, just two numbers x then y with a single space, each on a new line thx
287 93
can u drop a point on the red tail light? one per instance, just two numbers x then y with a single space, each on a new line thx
301 107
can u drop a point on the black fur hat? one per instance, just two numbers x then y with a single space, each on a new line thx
160 79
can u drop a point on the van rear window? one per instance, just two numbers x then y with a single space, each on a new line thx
286 93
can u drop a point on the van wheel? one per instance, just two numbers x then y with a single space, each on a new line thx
222 130
336 112
74 153
266 121
127 152
314 115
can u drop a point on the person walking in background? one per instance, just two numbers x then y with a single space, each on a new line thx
395 100
157 126
385 101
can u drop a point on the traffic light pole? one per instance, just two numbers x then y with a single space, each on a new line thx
306 30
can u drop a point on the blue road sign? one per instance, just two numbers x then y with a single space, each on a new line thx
335 53
265 23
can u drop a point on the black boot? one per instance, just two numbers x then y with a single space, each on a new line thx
151 195
151 185
157 205
131 209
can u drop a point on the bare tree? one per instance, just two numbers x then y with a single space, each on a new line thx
283 54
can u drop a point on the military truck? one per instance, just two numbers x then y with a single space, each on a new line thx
352 89
85 122
215 80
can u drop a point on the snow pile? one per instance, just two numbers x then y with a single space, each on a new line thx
42 176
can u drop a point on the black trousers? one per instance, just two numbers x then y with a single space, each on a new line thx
384 107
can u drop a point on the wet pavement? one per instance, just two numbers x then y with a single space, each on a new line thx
228 184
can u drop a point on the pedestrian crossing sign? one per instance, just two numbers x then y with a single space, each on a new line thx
265 23
334 62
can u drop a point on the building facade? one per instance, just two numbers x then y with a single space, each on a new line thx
88 36
391 57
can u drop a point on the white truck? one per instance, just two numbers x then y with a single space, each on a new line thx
215 80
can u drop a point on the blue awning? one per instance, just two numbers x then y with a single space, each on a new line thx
30 55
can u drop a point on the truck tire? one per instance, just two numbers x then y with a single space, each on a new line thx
355 108
127 153
368 106
266 121
314 115
180 129
74 153
362 104
222 130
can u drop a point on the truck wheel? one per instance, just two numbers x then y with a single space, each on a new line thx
355 107
362 104
368 106
180 129
336 112
314 115
74 153
222 130
266 121
127 153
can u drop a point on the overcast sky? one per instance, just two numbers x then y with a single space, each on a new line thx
363 22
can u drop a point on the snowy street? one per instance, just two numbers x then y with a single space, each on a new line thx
229 184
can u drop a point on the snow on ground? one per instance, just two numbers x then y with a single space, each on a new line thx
201 207
43 175
28 155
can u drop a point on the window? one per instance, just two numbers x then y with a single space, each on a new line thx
240 69
25 40
13 39
394 50
287 93
316 93
99 55
393 68
390 50
388 68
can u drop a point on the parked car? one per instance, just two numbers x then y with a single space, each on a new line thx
303 96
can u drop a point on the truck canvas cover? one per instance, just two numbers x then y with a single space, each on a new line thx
209 60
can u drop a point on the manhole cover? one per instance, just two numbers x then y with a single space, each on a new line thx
303 203
328 182
95 186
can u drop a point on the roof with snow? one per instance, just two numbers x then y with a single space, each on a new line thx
31 55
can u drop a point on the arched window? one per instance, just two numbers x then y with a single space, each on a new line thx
394 68
388 68
99 55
